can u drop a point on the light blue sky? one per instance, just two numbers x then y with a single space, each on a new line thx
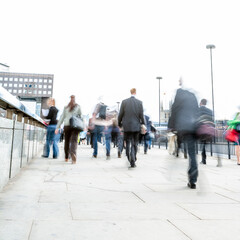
107 47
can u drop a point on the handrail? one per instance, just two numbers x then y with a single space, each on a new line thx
10 102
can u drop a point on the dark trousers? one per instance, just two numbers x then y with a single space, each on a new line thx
190 140
71 141
204 156
131 145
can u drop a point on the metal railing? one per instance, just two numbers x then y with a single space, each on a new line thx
22 136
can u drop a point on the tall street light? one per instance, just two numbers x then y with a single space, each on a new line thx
159 78
118 106
211 46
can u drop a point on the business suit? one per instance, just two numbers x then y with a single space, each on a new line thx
184 115
130 118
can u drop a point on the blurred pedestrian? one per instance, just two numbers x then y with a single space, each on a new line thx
184 114
131 118
146 136
99 114
52 138
206 115
71 135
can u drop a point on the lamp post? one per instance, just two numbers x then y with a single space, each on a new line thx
159 78
211 46
118 106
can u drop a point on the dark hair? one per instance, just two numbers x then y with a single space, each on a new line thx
203 101
72 104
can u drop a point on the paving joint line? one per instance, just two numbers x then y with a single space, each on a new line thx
178 229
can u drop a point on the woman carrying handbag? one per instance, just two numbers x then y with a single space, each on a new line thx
71 134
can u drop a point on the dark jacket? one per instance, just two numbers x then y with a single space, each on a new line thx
184 112
206 113
131 115
52 115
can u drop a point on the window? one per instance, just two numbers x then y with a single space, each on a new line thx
30 80
50 86
10 90
45 80
50 80
15 91
10 85
35 85
40 92
30 85
25 85
34 92
5 79
1 78
20 79
49 92
45 86
35 80
20 85
15 79
40 80
25 91
25 79
5 84
44 92
15 84
19 91
39 86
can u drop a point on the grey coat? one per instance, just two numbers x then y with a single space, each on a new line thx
131 115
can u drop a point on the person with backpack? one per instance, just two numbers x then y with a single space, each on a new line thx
99 117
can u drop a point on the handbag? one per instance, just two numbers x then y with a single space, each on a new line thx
77 123
232 135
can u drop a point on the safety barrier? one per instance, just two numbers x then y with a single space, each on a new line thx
22 136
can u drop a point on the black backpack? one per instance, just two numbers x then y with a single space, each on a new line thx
102 111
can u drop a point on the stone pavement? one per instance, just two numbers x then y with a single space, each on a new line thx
99 199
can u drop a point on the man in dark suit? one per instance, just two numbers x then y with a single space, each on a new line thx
131 118
184 115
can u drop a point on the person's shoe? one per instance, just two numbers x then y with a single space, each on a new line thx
108 157
66 160
192 185
133 165
145 152
185 155
119 155
95 156
44 156
202 162
74 158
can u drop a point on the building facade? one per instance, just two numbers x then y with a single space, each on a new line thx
29 87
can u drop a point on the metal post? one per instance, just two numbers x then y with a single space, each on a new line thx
211 46
159 78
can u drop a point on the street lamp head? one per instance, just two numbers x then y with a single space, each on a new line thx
159 78
210 46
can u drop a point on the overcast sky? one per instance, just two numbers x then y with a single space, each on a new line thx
106 47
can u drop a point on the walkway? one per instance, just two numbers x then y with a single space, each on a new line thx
98 199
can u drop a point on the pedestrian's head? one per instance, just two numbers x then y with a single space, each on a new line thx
133 91
51 102
72 103
203 102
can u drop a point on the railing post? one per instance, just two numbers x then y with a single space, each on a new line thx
229 154
211 149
